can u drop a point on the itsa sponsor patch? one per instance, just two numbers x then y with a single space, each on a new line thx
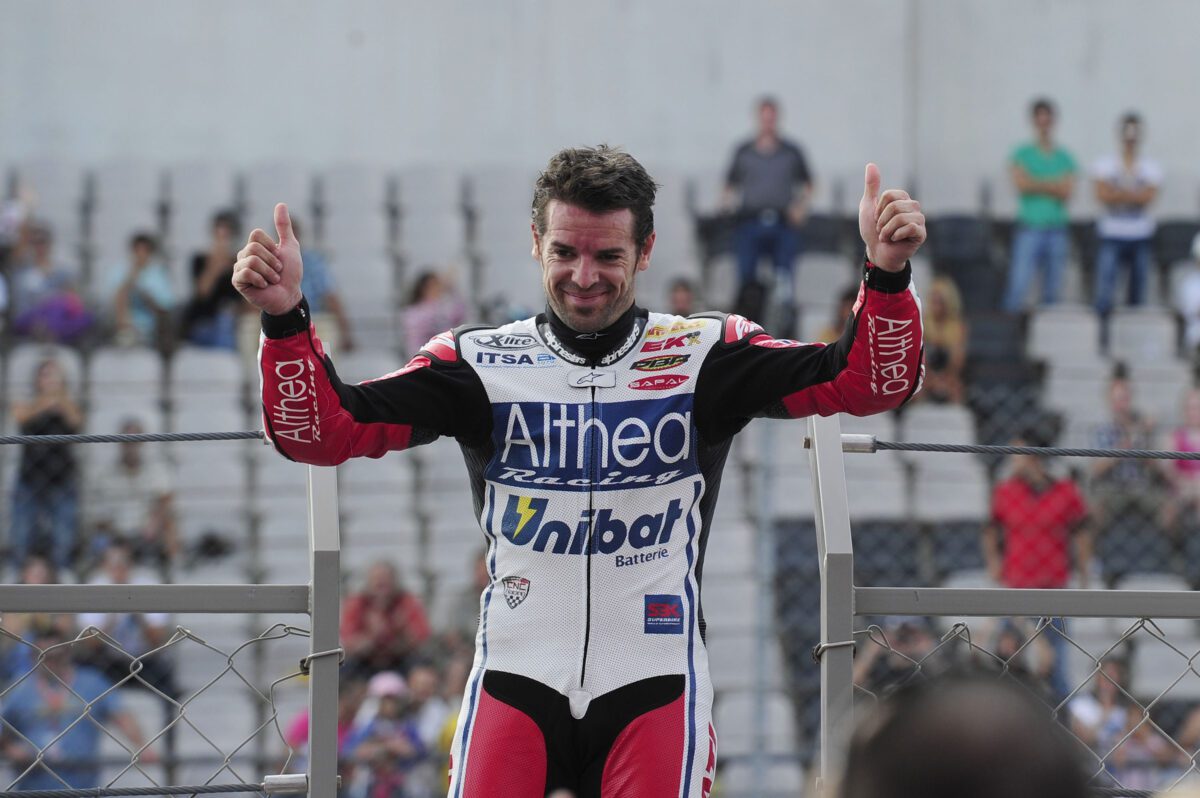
659 382
661 363
516 588
513 359
664 615
672 342
506 341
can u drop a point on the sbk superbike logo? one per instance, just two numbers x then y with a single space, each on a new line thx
660 363
662 382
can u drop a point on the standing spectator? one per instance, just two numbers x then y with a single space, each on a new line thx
1044 174
45 709
1128 492
1188 304
432 308
210 316
384 625
141 294
389 746
351 692
1184 475
1126 184
46 306
17 659
1035 515
681 298
772 177
945 344
133 499
47 486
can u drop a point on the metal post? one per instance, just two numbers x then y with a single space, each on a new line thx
837 589
325 552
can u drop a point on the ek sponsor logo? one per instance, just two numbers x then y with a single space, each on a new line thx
673 342
661 382
660 363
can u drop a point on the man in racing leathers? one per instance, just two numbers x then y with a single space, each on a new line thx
594 436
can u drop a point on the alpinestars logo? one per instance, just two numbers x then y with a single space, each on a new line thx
516 588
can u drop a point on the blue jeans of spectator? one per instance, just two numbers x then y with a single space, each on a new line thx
59 505
1109 258
1036 249
758 237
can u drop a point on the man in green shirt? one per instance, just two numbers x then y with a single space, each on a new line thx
1044 175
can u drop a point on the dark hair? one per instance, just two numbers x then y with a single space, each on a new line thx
599 180
1131 118
768 101
143 239
964 734
227 218
1041 104
684 283
420 284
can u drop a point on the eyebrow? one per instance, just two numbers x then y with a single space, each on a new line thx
607 251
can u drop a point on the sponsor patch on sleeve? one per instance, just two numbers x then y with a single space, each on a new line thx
664 615
739 327
442 347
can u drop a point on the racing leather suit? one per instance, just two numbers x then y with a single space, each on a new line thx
594 478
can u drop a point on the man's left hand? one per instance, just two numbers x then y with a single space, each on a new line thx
891 224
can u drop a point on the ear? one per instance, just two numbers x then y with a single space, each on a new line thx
537 243
644 261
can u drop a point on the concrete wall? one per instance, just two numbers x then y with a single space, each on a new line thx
937 87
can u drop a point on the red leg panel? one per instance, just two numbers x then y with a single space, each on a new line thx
646 761
506 755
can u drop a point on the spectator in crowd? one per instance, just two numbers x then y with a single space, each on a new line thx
681 297
133 499
1027 654
1136 754
384 625
1035 516
769 181
458 637
319 288
1126 184
389 746
945 344
841 314
432 308
1187 302
42 712
47 486
141 294
46 305
1044 174
891 660
1184 475
1128 493
135 633
960 736
352 690
429 708
210 316
17 658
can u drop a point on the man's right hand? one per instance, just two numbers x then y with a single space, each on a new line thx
267 273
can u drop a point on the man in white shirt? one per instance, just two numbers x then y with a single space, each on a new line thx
1188 302
1126 184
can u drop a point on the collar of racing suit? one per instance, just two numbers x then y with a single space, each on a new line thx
601 347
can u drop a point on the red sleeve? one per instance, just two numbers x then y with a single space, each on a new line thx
352 612
416 623
875 366
311 416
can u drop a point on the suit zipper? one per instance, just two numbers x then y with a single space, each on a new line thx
587 627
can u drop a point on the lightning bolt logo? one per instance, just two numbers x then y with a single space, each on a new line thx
526 514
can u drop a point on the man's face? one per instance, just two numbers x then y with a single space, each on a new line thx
768 118
1131 134
589 262
1043 121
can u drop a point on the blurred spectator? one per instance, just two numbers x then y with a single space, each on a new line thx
945 344
463 623
389 746
1136 754
17 659
142 296
1035 515
45 710
210 316
681 300
1127 492
1188 304
1044 174
429 708
384 625
434 307
841 314
1184 475
47 486
772 178
1126 184
320 290
956 737
133 499
351 692
136 633
909 640
46 306
1031 658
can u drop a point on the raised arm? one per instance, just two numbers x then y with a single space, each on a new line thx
313 417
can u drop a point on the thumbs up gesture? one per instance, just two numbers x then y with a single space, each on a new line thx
891 224
267 273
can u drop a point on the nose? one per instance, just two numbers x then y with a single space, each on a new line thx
585 274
